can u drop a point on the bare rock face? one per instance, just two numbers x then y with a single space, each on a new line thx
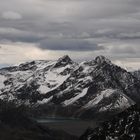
70 89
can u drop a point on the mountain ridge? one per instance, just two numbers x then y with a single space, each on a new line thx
88 87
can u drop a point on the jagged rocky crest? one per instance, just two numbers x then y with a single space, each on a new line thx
66 88
101 60
124 126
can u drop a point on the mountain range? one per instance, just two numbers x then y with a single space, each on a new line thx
67 88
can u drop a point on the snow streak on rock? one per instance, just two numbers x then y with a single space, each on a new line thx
95 85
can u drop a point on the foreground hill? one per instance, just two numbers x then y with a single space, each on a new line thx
15 124
124 126
66 88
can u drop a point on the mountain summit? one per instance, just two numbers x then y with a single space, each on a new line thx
65 58
101 59
63 61
66 88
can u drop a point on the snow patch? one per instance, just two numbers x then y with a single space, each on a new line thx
2 79
43 89
74 99
45 101
61 69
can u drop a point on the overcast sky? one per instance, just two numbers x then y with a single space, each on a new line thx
83 29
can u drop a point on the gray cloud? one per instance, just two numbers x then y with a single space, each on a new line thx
130 36
11 15
16 35
124 50
73 25
69 45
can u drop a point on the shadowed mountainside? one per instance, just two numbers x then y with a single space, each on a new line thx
124 126
15 124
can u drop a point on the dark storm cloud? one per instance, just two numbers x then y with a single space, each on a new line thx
71 45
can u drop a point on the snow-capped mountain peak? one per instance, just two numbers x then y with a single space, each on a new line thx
91 85
63 61
101 59
65 58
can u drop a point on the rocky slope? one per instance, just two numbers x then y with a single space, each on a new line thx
66 88
124 126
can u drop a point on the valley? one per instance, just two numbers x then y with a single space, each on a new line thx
73 126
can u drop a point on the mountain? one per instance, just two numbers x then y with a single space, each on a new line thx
124 126
66 88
